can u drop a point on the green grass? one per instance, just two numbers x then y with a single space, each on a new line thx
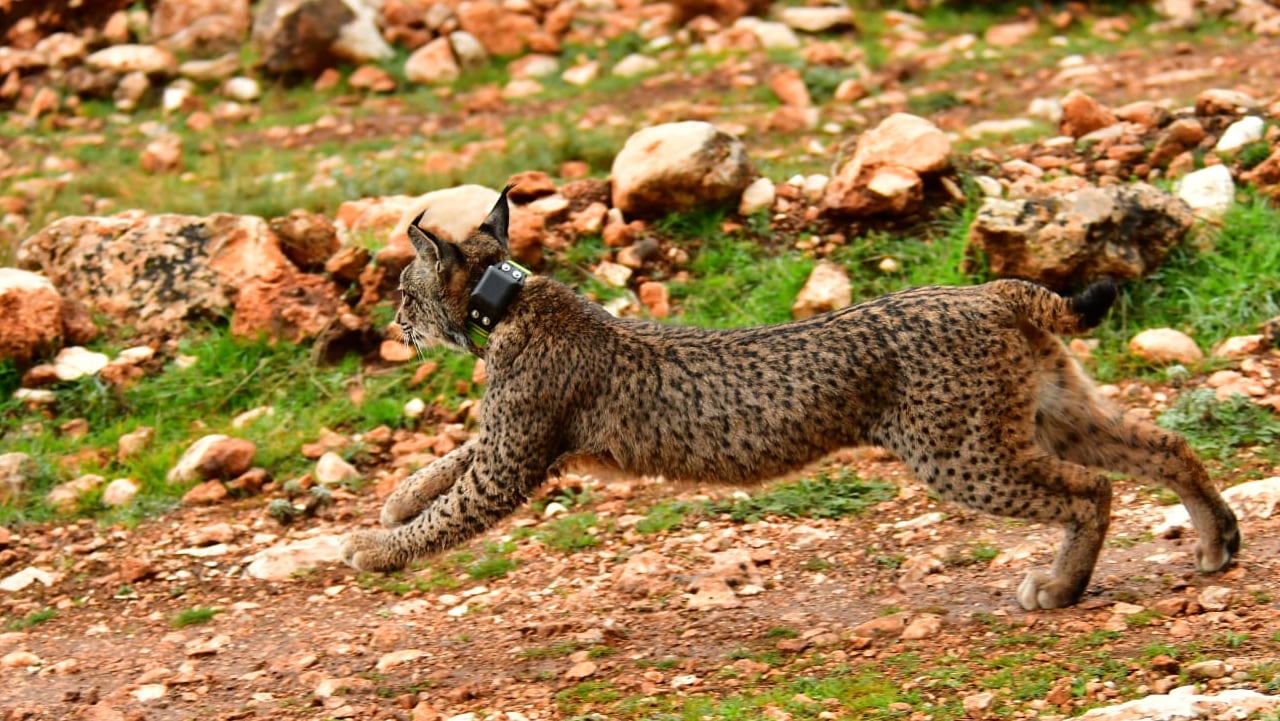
667 515
1190 291
823 496
31 620
193 616
1219 429
568 534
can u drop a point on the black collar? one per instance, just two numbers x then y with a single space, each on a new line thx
494 294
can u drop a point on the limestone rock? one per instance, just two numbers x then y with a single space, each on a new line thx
1209 191
644 574
30 315
468 50
1081 115
308 239
280 562
294 307
154 272
502 31
828 288
1165 345
885 173
65 495
1246 130
307 36
76 362
432 64
758 196
121 59
120 492
451 213
817 19
678 166
15 469
201 27
1120 231
332 469
132 443
1221 101
213 456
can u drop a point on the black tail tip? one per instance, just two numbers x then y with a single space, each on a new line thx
1092 303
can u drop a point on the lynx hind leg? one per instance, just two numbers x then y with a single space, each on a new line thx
417 491
1077 425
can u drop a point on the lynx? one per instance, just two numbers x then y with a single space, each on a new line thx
969 386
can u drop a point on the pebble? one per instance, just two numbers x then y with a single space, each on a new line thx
399 658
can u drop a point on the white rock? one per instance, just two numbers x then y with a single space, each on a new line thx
175 96
76 362
65 495
827 288
989 186
581 74
149 692
814 185
280 562
816 19
772 36
188 466
242 89
757 197
1209 191
1049 109
1165 346
26 577
613 274
432 63
360 40
248 417
635 64
332 469
453 211
123 59
1240 133
468 50
536 66
999 127
414 408
399 658
119 492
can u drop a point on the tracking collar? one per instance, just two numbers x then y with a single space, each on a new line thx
494 294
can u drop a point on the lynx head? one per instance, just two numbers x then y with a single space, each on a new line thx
436 287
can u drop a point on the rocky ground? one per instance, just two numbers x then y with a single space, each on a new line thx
626 598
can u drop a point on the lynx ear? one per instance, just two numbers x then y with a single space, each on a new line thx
499 219
429 246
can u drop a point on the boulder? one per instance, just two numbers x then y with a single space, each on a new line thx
886 172
200 27
30 315
153 272
677 167
293 306
308 36
1120 231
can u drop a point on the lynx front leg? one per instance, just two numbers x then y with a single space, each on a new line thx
507 465
417 491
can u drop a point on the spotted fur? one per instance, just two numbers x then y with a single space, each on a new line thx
969 386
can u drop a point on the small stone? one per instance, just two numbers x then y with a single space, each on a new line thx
581 670
120 492
1163 346
205 494
399 658
654 297
1081 115
977 704
926 625
208 646
758 196
242 89
892 625
27 576
827 288
331 469
635 64
19 659
213 456
1216 598
66 495
149 692
1241 346
1209 191
1246 130
613 274
394 351
1207 669
76 362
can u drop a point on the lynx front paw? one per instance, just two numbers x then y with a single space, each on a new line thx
399 510
1040 590
371 551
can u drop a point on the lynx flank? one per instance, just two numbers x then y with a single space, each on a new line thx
967 385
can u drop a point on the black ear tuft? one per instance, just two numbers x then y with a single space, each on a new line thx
499 219
431 247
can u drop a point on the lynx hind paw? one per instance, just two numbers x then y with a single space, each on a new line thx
1212 557
371 551
1040 590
